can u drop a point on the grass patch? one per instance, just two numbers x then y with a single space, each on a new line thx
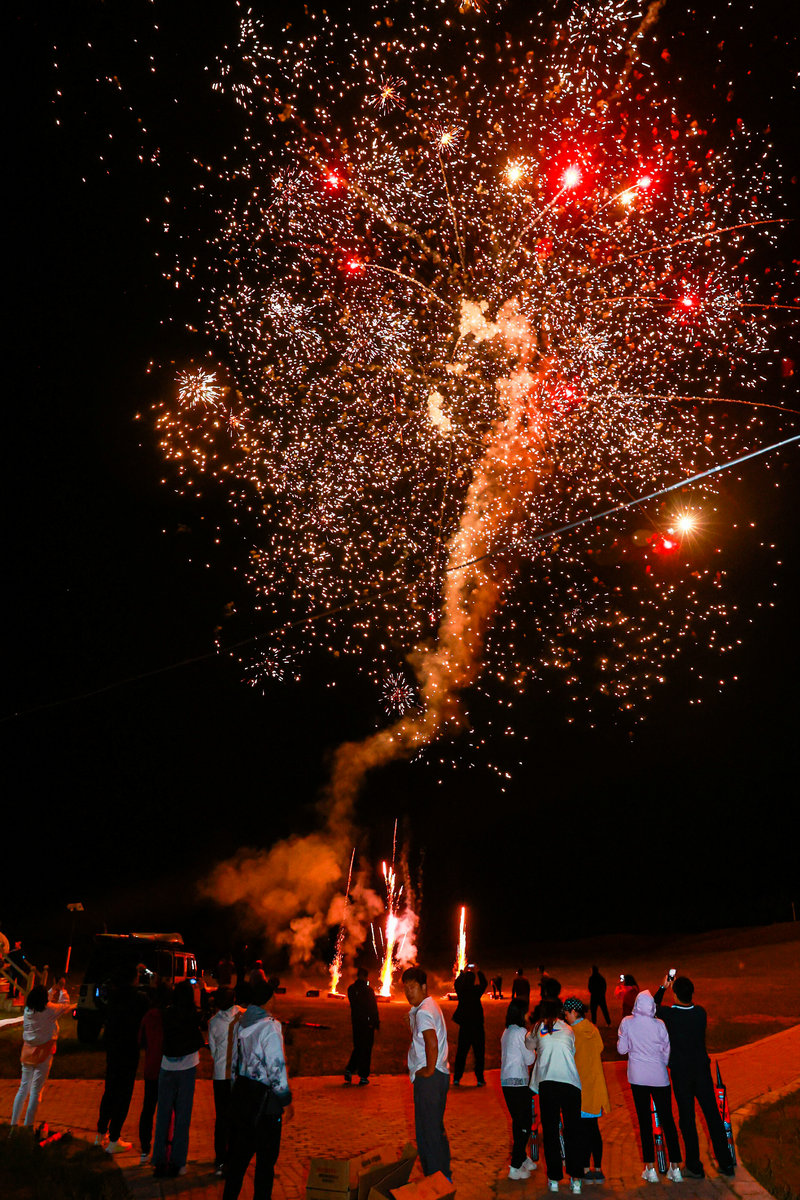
70 1169
769 1146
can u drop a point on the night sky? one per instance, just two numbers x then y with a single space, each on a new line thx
126 782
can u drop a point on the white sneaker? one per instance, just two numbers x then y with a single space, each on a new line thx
116 1147
143 1159
552 1185
674 1173
529 1164
650 1174
518 1173
576 1186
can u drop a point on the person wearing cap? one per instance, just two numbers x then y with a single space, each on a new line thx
261 1100
594 1091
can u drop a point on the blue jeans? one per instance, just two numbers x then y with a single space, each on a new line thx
175 1094
30 1089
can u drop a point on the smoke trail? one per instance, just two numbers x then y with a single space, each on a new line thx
494 509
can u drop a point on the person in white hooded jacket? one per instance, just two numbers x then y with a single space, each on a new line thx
644 1038
221 1032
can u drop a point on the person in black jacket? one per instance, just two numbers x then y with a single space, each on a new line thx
469 1018
126 1007
690 1068
521 990
597 996
365 1020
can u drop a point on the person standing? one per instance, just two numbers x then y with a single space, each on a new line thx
555 1077
176 1079
365 1021
690 1068
469 988
126 1007
221 1032
646 1042
597 996
151 1040
429 1072
58 993
515 1068
225 971
626 991
594 1090
260 1100
521 990
39 1036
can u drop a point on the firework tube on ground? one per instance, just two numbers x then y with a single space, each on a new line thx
721 1092
534 1130
658 1138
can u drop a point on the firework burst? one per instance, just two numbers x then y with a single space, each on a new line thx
464 319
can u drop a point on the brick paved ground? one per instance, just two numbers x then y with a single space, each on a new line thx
332 1119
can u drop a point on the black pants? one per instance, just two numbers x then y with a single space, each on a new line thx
116 1098
251 1133
561 1101
430 1098
518 1102
147 1115
222 1119
470 1037
697 1084
663 1102
360 1060
596 1002
592 1142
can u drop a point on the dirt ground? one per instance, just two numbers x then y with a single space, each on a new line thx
747 979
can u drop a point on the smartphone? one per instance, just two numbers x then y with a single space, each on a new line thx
672 973
622 978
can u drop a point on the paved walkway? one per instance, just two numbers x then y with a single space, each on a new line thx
332 1119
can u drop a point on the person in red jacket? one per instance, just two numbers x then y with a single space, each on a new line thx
151 1040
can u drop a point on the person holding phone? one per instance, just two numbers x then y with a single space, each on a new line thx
690 1069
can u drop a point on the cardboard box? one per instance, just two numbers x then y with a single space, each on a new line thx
338 1178
378 1183
432 1187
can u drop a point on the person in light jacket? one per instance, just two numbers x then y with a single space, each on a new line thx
594 1091
646 1042
221 1032
261 1100
39 1034
555 1077
515 1067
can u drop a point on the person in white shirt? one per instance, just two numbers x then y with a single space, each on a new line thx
555 1077
429 1071
516 1060
39 1034
221 1032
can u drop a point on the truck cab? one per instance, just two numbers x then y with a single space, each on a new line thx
159 958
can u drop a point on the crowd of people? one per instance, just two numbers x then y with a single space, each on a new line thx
550 1058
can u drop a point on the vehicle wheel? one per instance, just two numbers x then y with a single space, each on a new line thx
89 1027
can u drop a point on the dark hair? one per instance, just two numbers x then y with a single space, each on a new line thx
243 992
629 981
550 1011
37 998
362 973
515 1014
683 988
260 992
223 998
550 988
415 975
183 995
